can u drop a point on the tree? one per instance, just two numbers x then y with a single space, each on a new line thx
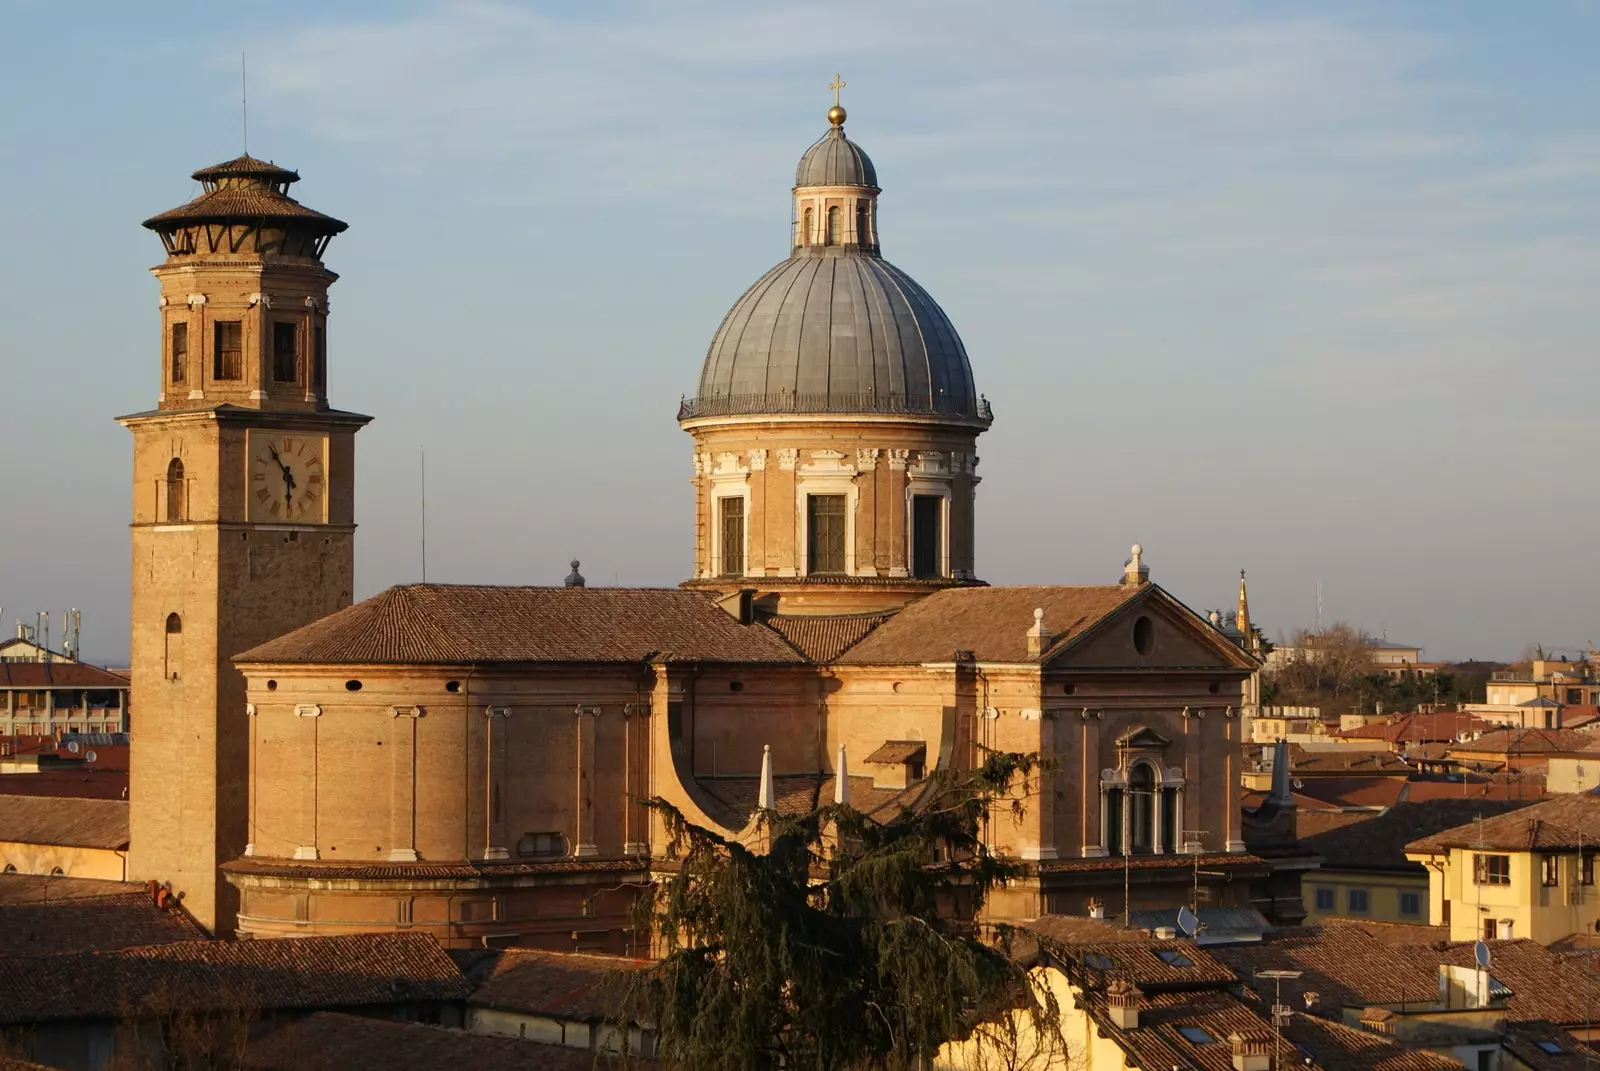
848 944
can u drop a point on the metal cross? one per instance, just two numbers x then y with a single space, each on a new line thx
836 85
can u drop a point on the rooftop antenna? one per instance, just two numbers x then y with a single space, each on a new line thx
244 104
1280 1012
422 477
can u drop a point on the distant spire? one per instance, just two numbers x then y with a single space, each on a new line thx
575 578
768 799
841 779
1135 571
1244 609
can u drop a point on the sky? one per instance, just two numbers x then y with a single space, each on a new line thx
1303 289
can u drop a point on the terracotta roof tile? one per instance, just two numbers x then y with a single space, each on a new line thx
58 675
196 977
1151 964
76 823
894 752
1378 841
1508 742
823 639
561 985
30 888
1159 1041
1350 963
1531 1042
1152 862
1419 728
246 166
330 1041
450 624
81 782
1558 824
798 794
992 623
85 924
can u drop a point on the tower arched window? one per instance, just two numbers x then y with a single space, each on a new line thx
174 647
861 223
1142 809
177 504
833 224
809 234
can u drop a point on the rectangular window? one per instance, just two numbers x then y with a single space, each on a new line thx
285 353
319 355
1491 929
1410 904
1358 901
926 531
1586 870
227 353
1325 900
732 521
1491 869
1574 696
825 535
180 353
1550 870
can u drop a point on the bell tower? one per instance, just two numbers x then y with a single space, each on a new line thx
243 508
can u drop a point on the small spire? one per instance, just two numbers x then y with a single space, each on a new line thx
575 578
1038 638
768 799
1135 571
841 779
836 114
1243 619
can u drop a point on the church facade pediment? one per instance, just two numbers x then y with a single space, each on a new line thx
1151 632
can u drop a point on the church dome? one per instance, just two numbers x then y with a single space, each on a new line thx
835 160
835 328
832 330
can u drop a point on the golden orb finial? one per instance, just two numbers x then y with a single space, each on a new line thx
836 115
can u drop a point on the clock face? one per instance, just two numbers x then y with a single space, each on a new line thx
288 478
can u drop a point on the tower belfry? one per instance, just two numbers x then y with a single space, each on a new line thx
243 512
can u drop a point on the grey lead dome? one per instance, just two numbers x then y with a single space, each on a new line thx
836 329
835 160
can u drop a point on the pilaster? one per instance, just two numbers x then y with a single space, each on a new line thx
584 840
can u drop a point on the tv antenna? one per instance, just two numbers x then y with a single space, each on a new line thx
244 104
1281 1012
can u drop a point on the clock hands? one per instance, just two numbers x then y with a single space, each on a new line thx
288 478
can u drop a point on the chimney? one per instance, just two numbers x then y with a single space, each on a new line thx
1378 1021
1252 1050
1136 572
1123 1001
1038 638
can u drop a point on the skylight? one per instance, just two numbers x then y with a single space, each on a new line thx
1099 961
1196 1035
1550 1047
1172 957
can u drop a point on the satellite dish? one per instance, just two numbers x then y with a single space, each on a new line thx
72 746
1480 952
1188 922
91 756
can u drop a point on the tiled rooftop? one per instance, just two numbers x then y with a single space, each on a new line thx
562 985
454 624
77 823
329 1041
91 923
1558 824
823 639
1367 841
207 976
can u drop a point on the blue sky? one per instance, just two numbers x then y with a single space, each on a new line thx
1303 289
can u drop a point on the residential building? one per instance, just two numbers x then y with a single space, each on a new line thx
1397 660
63 837
1521 749
1528 873
53 697
556 998
1531 695
1575 773
1364 872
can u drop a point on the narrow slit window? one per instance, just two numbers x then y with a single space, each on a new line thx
809 233
732 524
180 353
285 353
825 543
227 356
177 504
861 223
927 517
319 355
